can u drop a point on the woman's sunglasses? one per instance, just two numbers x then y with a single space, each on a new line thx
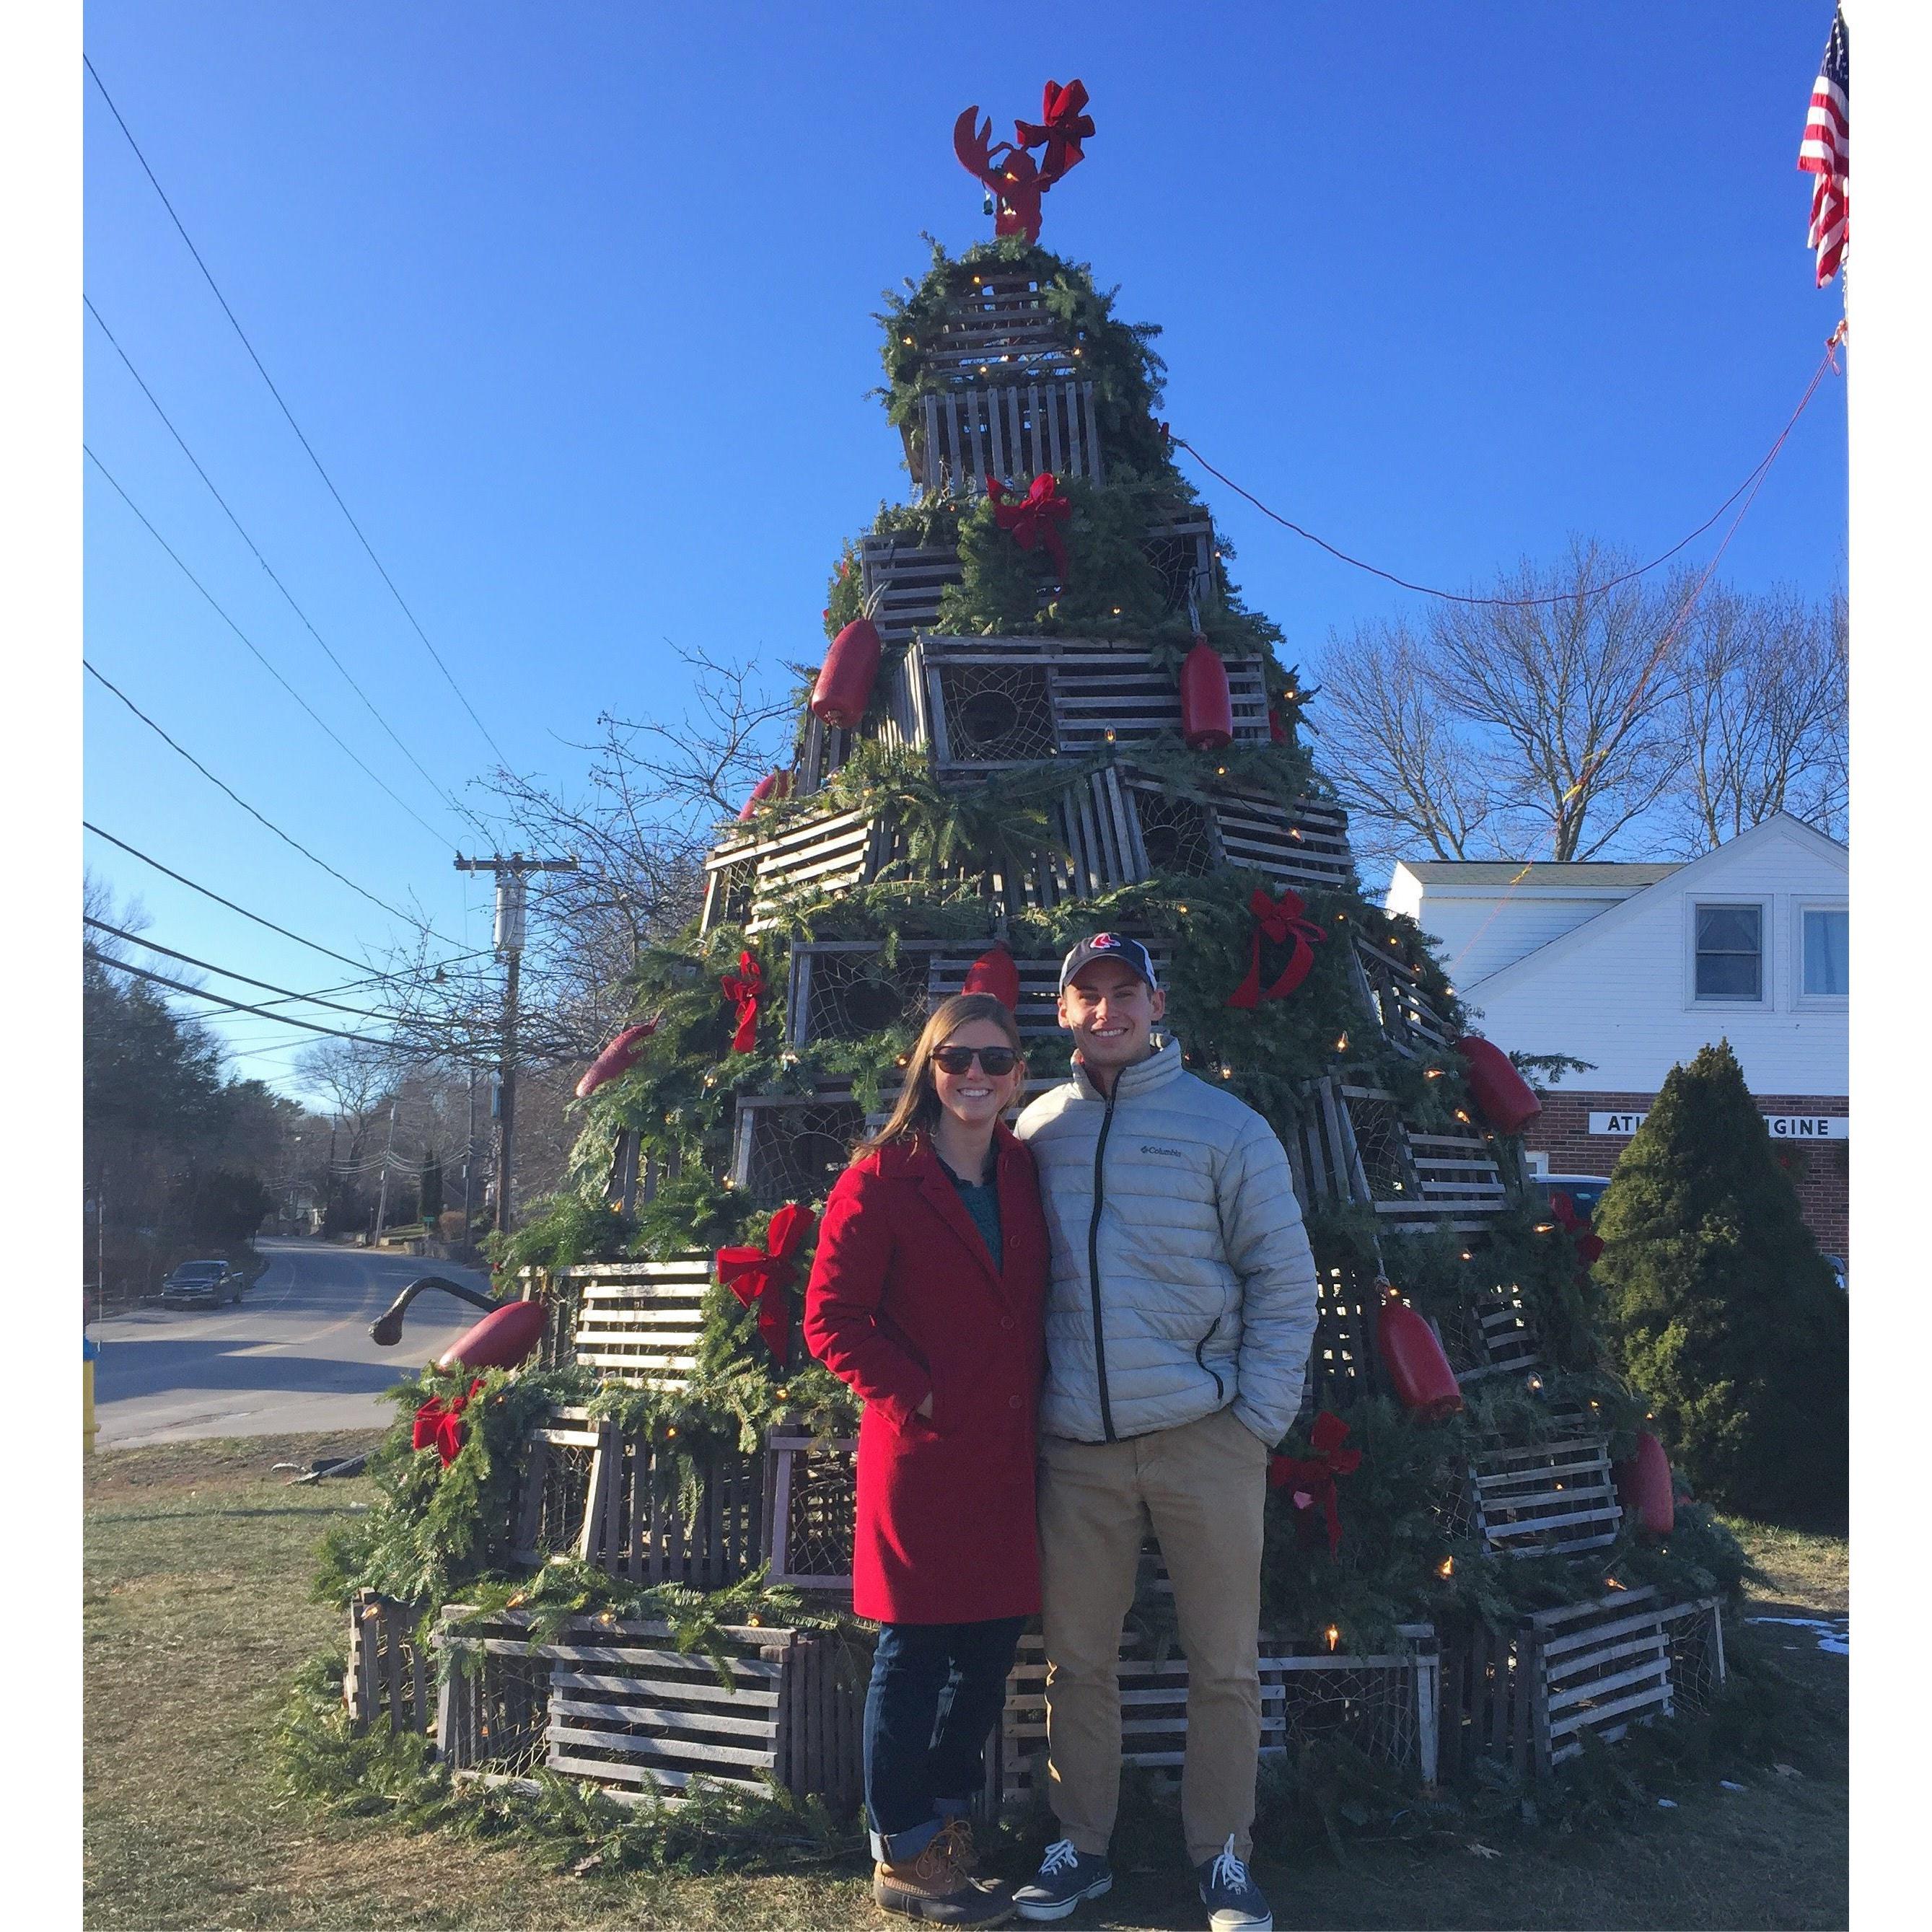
997 1060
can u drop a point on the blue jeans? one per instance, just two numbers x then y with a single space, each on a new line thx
937 1690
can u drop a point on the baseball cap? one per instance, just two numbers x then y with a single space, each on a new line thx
1130 953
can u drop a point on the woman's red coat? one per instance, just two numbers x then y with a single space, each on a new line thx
905 1302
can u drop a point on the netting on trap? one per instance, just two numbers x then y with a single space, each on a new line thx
1380 1706
1381 1145
996 714
811 1509
1173 833
556 1490
1181 555
1339 1369
1693 1635
793 1150
850 994
493 1714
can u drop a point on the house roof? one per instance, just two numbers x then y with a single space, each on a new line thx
1779 825
1521 872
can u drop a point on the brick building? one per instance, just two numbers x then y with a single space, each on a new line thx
1633 967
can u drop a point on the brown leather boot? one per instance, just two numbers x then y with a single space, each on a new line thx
938 1886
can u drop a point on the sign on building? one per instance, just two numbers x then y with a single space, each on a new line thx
1783 1127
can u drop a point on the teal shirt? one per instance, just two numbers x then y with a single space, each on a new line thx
982 1203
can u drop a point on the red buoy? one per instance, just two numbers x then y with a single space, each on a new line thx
1500 1094
844 686
619 1056
1207 705
773 786
995 972
500 1340
1644 1489
1418 1370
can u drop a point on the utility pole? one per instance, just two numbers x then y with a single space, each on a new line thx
469 1161
511 875
383 1194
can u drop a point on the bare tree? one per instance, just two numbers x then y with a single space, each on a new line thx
1412 773
1762 702
1556 721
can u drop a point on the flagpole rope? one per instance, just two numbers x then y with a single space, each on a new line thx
1752 480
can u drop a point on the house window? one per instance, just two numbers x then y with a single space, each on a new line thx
1730 953
1827 947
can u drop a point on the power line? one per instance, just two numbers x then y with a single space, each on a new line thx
394 912
256 651
206 893
288 594
236 1006
208 276
227 972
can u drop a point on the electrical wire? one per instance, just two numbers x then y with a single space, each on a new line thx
1755 476
228 973
181 878
394 912
288 595
238 1007
256 652
208 276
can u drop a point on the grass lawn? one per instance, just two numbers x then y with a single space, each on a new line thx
197 1567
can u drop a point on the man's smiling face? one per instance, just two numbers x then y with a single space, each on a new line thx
1110 1010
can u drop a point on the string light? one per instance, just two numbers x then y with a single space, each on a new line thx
1342 1045
1464 1117
1468 1254
1434 1072
1447 1567
1535 1382
1545 1227
1334 1636
1615 1585
1110 734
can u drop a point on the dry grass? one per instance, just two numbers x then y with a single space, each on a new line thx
197 1567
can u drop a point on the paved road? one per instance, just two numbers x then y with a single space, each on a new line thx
293 1355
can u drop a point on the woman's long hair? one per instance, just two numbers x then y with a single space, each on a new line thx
918 1105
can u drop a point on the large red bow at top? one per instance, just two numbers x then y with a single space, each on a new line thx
1035 518
1063 126
746 987
440 1422
762 1277
1280 922
1313 1477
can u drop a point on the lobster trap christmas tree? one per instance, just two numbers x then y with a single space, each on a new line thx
1043 709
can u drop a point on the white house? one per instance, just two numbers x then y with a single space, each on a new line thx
1633 967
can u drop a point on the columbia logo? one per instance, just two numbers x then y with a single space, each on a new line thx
1147 1147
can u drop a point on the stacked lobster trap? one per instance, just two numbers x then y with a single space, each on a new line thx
615 1703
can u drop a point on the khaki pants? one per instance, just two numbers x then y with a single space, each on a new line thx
1201 1487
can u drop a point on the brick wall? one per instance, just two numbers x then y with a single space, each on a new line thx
1819 1170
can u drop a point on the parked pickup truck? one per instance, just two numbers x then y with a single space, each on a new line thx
203 1285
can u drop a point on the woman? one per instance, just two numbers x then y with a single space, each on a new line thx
926 1298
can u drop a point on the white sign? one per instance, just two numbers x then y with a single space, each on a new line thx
1783 1127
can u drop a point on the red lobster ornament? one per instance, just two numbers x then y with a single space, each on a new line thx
1016 180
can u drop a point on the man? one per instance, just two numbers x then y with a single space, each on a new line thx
1178 1324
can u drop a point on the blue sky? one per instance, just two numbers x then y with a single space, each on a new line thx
575 303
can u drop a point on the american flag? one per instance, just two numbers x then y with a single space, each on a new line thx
1826 151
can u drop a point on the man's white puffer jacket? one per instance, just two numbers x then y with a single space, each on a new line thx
1182 1277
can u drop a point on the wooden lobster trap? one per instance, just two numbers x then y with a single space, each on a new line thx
1410 1020
994 703
1526 1695
1342 1366
843 989
387 1675
1385 1705
1538 1498
811 1509
1414 1181
747 870
614 1703
1003 321
992 423
638 1322
792 1147
625 1506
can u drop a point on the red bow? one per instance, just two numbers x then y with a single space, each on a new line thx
1589 1245
1035 517
1280 922
441 1423
1062 126
1315 1475
762 1277
746 987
